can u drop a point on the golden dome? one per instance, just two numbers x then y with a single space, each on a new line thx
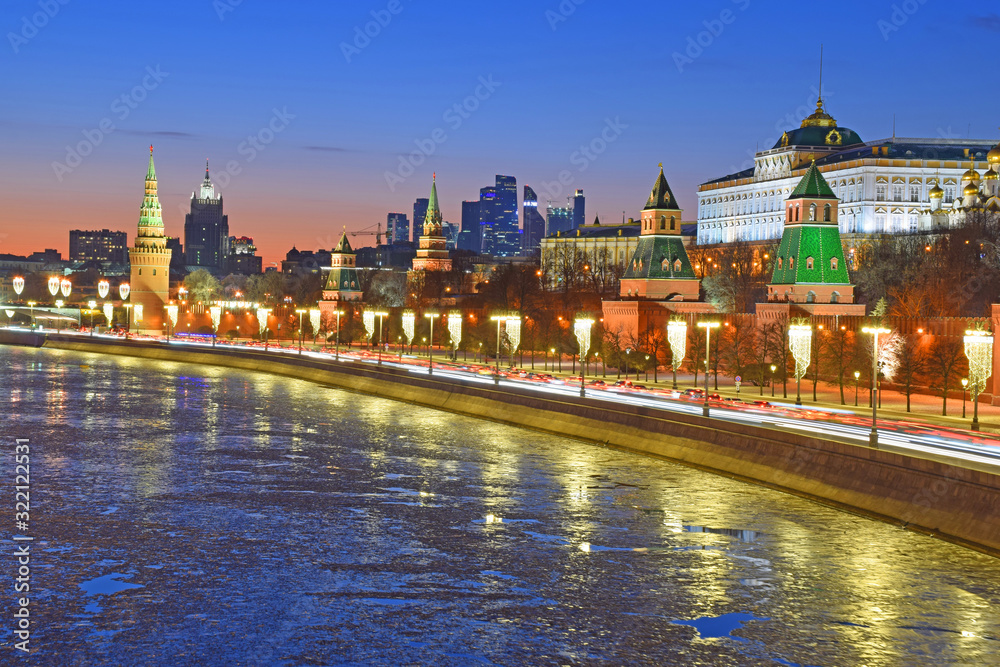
971 175
993 157
936 192
819 118
991 176
970 190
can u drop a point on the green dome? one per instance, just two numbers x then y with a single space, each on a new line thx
819 136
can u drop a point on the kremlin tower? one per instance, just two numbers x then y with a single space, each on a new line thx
150 260
432 255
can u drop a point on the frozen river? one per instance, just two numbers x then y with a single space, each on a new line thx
201 516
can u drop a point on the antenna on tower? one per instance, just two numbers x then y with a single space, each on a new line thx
894 128
820 74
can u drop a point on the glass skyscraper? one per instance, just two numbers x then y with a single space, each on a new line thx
397 228
534 223
469 238
419 213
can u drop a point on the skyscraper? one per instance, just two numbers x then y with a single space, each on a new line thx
559 220
507 229
206 229
579 210
487 219
419 213
468 238
99 246
150 260
397 228
534 223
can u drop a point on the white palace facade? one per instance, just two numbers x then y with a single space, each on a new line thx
885 187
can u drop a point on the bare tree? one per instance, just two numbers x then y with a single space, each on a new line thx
944 365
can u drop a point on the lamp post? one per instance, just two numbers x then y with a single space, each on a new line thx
857 379
301 312
799 340
979 351
875 331
582 327
628 351
338 313
965 386
380 314
91 307
59 305
509 320
708 326
215 312
315 320
31 313
773 368
172 312
430 346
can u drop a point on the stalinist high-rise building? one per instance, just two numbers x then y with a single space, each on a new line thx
150 259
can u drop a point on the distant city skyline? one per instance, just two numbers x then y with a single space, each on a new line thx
302 141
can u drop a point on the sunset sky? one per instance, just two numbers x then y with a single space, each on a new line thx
697 86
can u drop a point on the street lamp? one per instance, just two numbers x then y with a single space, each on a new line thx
773 368
979 351
628 351
380 314
53 286
31 312
409 328
512 320
65 287
18 285
336 354
708 335
315 315
172 312
799 341
965 386
123 290
455 331
857 378
59 305
875 331
582 327
677 331
301 312
430 347
103 288
91 306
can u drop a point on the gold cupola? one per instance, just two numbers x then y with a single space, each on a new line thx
819 118
937 192
970 189
993 157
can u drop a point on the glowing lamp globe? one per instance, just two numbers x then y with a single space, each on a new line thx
103 288
18 285
53 286
65 287
123 290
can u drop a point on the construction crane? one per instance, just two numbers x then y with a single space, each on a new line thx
367 232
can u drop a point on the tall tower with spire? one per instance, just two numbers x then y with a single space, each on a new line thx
432 253
150 260
659 267
206 229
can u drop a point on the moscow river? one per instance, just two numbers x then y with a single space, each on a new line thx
201 516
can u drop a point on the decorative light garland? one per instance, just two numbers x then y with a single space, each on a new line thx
262 315
314 320
582 328
65 287
18 285
409 325
123 290
455 327
514 333
677 331
800 343
103 288
53 286
216 313
172 311
979 351
138 312
368 317
109 312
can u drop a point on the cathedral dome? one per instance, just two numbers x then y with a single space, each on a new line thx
991 176
993 157
971 175
936 192
819 129
970 190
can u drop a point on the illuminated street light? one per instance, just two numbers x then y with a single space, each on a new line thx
965 388
65 287
455 330
172 312
123 290
857 378
800 344
409 325
103 289
380 315
92 306
338 313
773 368
430 347
513 322
677 331
315 322
875 331
708 335
582 327
18 285
979 351
53 286
301 312
109 313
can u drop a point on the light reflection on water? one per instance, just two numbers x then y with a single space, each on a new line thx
262 520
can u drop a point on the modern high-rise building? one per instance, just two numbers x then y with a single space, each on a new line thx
98 246
397 229
507 230
468 238
534 223
579 210
150 262
206 229
419 213
243 257
559 220
487 219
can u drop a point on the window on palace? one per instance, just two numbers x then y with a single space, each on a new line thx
913 224
809 263
880 193
914 193
673 222
811 297
833 263
897 193
663 222
949 194
677 265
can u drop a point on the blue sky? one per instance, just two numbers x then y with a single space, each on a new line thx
697 86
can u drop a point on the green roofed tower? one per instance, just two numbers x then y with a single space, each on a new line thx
342 284
810 267
659 268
